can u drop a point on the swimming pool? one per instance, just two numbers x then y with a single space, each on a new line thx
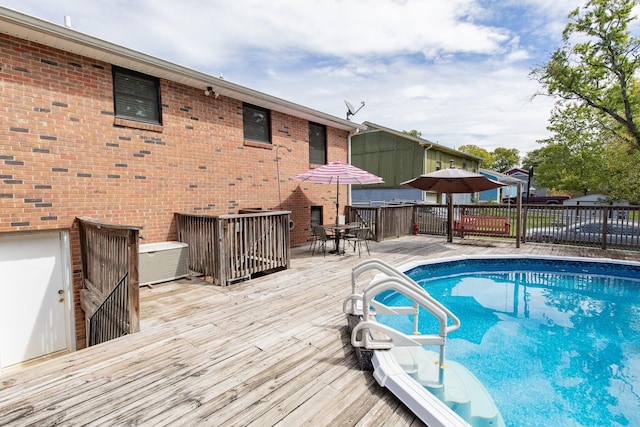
555 341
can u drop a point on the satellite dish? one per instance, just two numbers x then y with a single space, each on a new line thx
351 111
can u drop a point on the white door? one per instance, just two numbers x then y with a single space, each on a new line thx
34 287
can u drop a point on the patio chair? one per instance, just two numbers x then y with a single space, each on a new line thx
320 238
314 239
350 232
356 238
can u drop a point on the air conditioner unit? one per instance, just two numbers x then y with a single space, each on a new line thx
163 261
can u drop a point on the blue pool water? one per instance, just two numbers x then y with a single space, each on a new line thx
556 342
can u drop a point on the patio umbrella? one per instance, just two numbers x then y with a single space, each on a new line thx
451 181
339 173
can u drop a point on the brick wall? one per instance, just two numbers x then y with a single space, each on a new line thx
63 154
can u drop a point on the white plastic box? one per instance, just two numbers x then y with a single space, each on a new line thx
163 261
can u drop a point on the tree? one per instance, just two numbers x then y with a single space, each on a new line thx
474 150
622 164
572 159
596 65
505 159
500 159
413 132
533 158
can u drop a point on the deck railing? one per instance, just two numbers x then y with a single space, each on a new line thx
110 320
601 226
109 254
384 221
552 221
230 248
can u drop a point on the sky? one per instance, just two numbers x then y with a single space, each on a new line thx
457 71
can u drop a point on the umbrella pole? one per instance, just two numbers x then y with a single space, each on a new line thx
450 217
337 199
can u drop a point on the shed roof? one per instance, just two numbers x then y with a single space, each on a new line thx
372 127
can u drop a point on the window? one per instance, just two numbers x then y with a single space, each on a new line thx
316 215
257 123
317 144
136 96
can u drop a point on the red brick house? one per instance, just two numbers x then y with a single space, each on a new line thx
90 128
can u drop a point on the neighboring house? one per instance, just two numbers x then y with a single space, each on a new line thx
93 129
496 195
398 157
523 176
518 173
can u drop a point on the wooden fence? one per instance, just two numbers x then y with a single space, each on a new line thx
613 226
230 248
110 294
384 221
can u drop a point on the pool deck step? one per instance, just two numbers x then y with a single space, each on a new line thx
461 389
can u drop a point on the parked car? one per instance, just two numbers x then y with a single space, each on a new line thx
622 233
536 200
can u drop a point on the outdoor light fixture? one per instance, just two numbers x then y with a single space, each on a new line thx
209 91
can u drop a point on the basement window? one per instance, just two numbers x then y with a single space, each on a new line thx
136 96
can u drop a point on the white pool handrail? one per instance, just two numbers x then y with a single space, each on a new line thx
372 335
350 304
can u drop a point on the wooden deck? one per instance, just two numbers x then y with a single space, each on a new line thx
270 351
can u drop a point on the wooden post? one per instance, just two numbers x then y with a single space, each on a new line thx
450 217
221 255
134 282
519 215
605 221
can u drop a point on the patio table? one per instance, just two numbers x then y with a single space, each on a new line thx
338 230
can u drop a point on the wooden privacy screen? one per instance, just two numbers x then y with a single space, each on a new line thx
110 294
229 248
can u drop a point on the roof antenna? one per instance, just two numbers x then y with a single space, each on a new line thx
352 111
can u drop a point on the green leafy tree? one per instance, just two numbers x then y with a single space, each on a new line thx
597 63
500 159
572 159
413 132
622 165
483 153
533 158
505 159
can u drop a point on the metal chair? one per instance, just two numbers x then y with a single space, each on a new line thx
356 238
314 239
320 238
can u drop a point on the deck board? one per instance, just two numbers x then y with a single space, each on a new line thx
273 350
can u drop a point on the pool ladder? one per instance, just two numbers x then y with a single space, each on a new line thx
372 335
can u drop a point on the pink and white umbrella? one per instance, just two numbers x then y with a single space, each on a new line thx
340 173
